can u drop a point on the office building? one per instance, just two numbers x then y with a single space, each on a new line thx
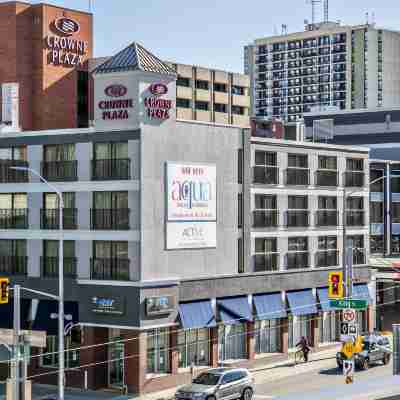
328 66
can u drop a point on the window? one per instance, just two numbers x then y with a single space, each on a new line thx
218 107
50 200
193 347
110 261
327 203
265 158
355 203
268 336
13 256
183 103
50 266
298 202
329 329
59 152
266 245
202 105
157 351
240 256
238 90
297 160
377 245
220 87
298 244
238 110
327 243
18 153
354 164
232 342
50 218
110 200
51 247
265 202
327 162
200 84
181 81
376 212
395 213
111 151
13 201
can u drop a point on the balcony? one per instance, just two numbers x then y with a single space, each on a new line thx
359 256
298 176
267 175
266 262
60 171
50 218
116 269
327 218
265 218
355 218
8 175
14 218
326 177
111 169
50 267
110 219
354 178
13 265
297 259
326 258
297 218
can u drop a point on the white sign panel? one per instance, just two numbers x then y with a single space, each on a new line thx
10 103
191 192
191 235
349 315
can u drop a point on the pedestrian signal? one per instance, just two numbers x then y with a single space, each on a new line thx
335 285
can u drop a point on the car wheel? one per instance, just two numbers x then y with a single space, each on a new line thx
247 394
365 364
386 359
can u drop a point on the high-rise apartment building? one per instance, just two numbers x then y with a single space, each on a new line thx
327 66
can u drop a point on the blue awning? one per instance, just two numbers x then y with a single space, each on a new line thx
302 302
269 306
7 314
361 292
234 310
47 316
324 299
197 314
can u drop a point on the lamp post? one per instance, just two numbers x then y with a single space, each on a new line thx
61 355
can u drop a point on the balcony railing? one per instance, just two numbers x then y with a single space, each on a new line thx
297 259
50 267
267 175
8 175
359 256
62 171
297 218
326 177
14 218
50 218
355 218
13 265
327 218
110 269
265 218
298 176
326 258
110 219
354 178
266 262
111 169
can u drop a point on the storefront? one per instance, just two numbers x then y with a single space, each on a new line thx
329 319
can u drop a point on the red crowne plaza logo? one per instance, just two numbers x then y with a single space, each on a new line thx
116 90
158 89
67 26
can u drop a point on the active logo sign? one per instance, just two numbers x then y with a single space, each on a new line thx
115 108
156 107
67 26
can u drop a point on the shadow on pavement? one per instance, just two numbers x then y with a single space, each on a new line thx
289 364
331 371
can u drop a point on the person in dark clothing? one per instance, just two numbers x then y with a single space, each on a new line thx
304 347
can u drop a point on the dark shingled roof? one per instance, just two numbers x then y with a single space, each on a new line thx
134 57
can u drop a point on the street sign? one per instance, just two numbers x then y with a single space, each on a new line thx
349 303
348 349
348 370
352 329
34 338
349 315
344 328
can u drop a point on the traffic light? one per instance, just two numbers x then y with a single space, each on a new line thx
4 282
335 285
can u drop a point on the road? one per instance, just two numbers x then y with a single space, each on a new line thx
319 380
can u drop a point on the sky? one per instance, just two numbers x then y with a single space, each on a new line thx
212 33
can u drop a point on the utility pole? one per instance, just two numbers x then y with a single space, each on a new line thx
17 334
396 349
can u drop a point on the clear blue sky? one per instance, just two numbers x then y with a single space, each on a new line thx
211 32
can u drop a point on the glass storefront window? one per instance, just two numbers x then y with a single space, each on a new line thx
299 326
267 336
157 351
362 322
193 347
329 327
232 342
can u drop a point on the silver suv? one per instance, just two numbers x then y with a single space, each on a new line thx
219 384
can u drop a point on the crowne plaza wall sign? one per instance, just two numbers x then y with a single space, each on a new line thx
156 107
115 107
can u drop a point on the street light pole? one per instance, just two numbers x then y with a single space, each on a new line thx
61 354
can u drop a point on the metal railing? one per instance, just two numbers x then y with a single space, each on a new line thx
14 218
326 258
50 218
265 218
355 218
326 178
297 259
354 178
266 262
13 265
298 176
110 219
118 168
327 218
110 269
60 170
267 175
8 175
297 218
50 267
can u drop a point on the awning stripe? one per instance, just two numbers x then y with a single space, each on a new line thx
302 302
234 310
324 299
269 306
197 314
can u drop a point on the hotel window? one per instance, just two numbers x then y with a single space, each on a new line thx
185 82
111 151
111 161
238 90
13 256
158 351
50 258
59 152
18 153
232 342
13 211
193 347
218 107
202 105
183 103
220 87
238 110
200 84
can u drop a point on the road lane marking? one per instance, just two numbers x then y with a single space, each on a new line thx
263 397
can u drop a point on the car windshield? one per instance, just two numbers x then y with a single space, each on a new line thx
207 379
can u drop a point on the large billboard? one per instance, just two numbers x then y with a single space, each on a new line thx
191 198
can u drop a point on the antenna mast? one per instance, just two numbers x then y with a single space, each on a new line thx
326 10
313 9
